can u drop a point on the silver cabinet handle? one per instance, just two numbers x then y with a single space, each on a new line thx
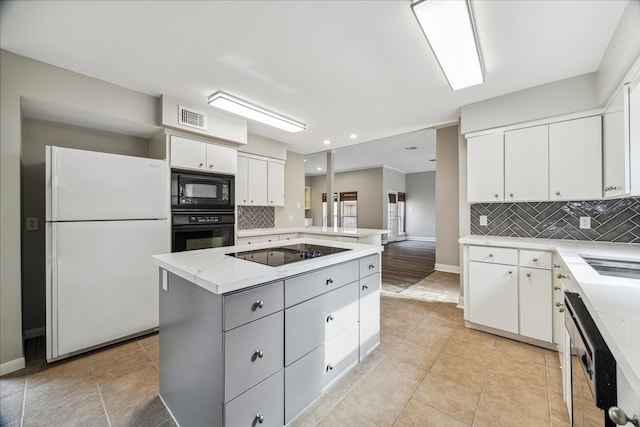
259 418
496 195
528 274
560 276
556 288
329 281
510 272
535 260
490 255
258 304
201 165
329 368
258 354
210 166
619 417
558 304
371 266
556 265
365 287
561 310
510 194
329 318
557 193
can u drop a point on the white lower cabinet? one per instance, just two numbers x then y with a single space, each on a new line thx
493 296
510 290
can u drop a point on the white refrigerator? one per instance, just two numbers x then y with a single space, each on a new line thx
106 215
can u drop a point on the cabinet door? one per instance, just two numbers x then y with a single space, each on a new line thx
493 295
303 383
615 144
575 159
526 164
369 314
242 183
535 303
187 153
485 168
260 406
275 181
221 159
257 182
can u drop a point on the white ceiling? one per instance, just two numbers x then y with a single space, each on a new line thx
341 67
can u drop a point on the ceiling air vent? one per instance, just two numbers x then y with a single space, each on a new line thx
192 118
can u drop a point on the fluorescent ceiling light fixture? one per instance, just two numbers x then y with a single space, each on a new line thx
251 111
448 27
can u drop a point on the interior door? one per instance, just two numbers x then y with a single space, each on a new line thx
103 284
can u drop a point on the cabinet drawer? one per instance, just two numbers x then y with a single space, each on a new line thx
309 285
247 240
269 238
264 401
369 265
340 354
303 382
252 353
493 255
288 236
311 323
247 306
535 259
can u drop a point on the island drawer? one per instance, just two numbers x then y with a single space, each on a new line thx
493 255
535 259
262 405
369 265
309 285
340 354
252 353
309 324
246 306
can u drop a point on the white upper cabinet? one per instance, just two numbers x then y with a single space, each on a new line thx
526 164
485 173
259 182
275 183
575 159
191 154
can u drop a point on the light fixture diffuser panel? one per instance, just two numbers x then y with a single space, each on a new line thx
448 27
251 111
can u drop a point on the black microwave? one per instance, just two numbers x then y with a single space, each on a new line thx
201 191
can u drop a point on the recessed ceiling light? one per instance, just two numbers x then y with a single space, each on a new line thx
319 169
327 142
353 136
411 148
305 160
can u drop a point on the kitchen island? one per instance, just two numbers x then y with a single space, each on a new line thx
243 343
370 236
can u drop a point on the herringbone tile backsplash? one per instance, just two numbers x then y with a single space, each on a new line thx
611 220
256 217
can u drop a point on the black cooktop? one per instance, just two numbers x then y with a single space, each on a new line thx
282 255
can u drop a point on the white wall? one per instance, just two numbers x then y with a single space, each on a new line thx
293 193
21 76
421 205
447 209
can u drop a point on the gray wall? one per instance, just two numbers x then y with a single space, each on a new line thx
367 182
37 134
447 207
421 205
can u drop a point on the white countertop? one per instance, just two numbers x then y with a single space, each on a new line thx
613 302
330 231
219 273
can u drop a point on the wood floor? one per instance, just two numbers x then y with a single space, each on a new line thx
407 262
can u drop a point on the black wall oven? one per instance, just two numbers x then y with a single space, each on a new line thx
593 368
202 191
201 231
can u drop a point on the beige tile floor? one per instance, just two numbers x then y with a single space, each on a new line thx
428 371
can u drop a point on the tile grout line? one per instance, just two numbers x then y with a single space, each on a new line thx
104 406
24 400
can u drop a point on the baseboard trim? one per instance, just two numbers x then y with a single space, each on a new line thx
12 366
460 302
448 268
421 239
35 332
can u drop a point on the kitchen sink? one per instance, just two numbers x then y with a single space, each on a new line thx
615 267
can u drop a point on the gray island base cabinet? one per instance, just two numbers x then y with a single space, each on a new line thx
259 356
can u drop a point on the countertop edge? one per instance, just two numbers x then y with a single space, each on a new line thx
358 232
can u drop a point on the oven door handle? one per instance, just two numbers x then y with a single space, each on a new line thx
202 227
